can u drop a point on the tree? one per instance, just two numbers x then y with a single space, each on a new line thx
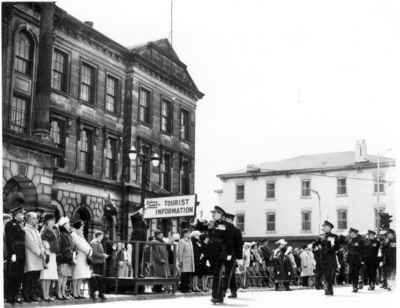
384 220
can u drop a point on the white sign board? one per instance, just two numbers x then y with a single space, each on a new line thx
175 206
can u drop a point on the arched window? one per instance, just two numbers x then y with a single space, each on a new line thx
23 54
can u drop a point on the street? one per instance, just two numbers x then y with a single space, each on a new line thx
312 298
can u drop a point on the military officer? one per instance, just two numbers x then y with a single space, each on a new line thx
389 258
221 249
237 243
15 242
355 257
371 250
329 246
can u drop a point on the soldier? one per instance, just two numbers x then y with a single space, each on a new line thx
329 246
15 242
355 257
237 244
389 258
221 251
316 248
371 258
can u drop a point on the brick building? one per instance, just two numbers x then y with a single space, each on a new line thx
74 102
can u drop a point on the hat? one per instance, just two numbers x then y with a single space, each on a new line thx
195 234
327 223
229 216
281 242
62 221
176 237
17 209
77 224
353 230
391 231
48 217
218 209
371 232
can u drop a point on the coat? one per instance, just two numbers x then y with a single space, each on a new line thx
34 250
15 243
159 260
97 252
282 266
197 251
66 247
51 237
355 250
186 256
307 263
81 269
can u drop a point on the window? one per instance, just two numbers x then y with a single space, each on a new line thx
111 159
306 221
144 106
185 177
18 114
342 219
23 54
111 94
166 172
57 135
306 188
240 222
271 222
240 192
59 78
87 83
86 152
271 190
166 117
341 186
381 180
184 125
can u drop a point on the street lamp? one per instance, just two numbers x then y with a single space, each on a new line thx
319 208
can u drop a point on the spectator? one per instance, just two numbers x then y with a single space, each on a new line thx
51 243
139 233
159 259
186 260
65 257
197 249
307 263
81 270
122 259
204 269
34 258
96 282
282 266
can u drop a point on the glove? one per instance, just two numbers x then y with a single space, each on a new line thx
13 258
380 264
229 257
208 263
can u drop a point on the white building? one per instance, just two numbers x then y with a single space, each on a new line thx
291 197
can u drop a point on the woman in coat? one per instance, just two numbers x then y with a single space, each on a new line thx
185 260
308 264
81 270
159 259
65 257
204 269
51 242
282 266
197 254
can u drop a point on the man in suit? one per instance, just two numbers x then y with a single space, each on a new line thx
34 257
329 246
98 260
15 245
237 244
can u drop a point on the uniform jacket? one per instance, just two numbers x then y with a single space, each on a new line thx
66 247
371 250
186 256
34 250
389 253
97 252
355 248
307 263
15 241
51 237
159 259
197 251
221 242
237 243
329 245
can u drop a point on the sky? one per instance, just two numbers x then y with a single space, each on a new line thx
281 78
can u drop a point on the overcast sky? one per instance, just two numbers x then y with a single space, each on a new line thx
281 78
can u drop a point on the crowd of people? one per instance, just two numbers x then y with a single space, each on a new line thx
47 259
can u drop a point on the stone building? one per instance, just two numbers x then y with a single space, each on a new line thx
74 102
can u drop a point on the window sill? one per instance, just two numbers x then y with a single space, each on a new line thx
270 232
91 105
270 199
305 197
380 194
61 92
341 195
145 125
112 114
240 201
305 231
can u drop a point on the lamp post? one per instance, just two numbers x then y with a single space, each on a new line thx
319 208
144 158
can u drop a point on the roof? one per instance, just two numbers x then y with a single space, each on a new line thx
323 161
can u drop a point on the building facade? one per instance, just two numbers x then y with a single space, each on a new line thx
74 103
292 197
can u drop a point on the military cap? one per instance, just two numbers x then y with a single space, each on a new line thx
218 209
229 216
353 230
327 223
281 241
17 209
391 231
371 232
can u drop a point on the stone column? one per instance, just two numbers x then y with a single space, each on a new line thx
41 122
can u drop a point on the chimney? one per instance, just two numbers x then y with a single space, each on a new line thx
89 24
361 151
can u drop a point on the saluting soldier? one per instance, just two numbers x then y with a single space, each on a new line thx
329 246
355 257
371 250
221 251
15 242
237 243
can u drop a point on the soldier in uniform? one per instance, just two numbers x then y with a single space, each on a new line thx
371 250
221 251
389 258
355 257
237 255
329 246
15 242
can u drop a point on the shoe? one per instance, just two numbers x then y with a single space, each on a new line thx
355 290
102 297
19 300
35 299
371 288
233 295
